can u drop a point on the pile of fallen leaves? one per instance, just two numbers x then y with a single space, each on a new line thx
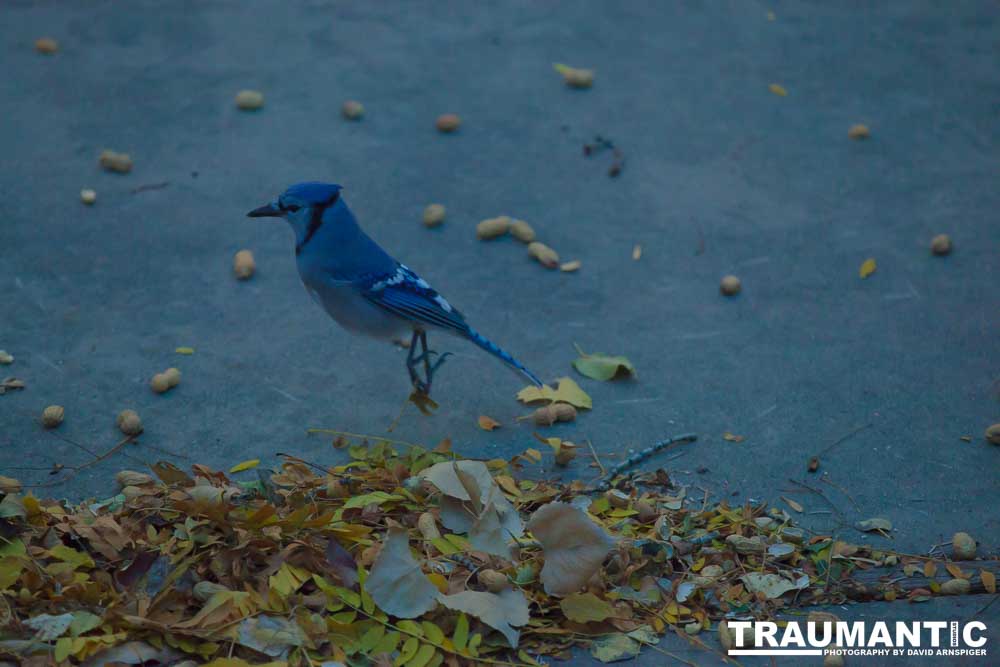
403 556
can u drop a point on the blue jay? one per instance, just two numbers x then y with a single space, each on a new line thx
364 289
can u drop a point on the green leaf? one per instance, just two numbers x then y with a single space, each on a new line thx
377 497
423 656
461 636
602 366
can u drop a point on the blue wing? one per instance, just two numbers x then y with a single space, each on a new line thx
405 294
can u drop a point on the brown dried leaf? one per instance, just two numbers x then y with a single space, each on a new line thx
574 546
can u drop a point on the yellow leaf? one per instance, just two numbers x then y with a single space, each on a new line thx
437 579
989 581
508 484
533 454
955 571
184 350
488 423
778 90
246 465
929 569
867 267
566 391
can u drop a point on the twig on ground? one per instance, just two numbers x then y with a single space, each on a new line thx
820 494
641 456
150 186
597 459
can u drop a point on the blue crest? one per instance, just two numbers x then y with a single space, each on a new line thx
313 192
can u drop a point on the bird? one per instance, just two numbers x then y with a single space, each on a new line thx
364 289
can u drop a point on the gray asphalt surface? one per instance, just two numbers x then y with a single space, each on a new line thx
721 176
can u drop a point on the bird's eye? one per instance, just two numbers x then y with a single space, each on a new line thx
292 208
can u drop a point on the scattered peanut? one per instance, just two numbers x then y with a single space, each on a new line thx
730 285
821 617
992 434
428 526
159 384
243 265
352 110
112 161
433 215
522 231
956 587
941 244
556 412
52 416
492 228
545 255
963 547
173 376
9 485
576 77
132 478
858 132
618 499
249 100
448 122
129 422
88 197
493 581
569 267
46 45
566 452
727 636
646 512
833 659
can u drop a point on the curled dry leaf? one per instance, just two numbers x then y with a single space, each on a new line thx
574 546
869 525
602 366
488 423
772 585
396 582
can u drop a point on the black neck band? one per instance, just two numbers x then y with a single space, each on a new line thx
315 222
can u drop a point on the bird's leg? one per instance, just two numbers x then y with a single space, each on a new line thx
412 361
429 368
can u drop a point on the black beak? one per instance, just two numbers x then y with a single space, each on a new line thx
266 211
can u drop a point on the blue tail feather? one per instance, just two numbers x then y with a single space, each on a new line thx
504 356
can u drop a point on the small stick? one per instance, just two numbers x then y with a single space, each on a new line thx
597 460
150 186
641 456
